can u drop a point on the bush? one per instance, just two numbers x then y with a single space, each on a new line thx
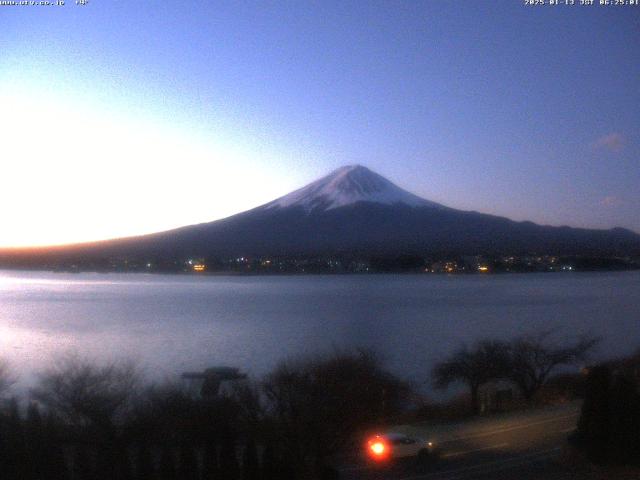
609 424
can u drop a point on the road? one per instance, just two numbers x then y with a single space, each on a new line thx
519 446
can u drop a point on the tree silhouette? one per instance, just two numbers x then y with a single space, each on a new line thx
83 393
144 469
16 453
7 379
229 468
593 425
167 464
188 465
609 424
83 464
319 402
54 460
210 469
624 410
35 440
250 463
533 358
487 360
269 463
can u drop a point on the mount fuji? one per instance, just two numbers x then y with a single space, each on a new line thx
356 211
346 186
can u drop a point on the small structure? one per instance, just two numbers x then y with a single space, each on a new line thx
495 396
208 382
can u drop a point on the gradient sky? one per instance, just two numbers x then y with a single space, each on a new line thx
120 118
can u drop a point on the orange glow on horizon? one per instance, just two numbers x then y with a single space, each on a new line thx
107 175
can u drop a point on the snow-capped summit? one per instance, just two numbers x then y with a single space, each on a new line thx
348 185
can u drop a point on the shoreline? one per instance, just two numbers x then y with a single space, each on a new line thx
231 273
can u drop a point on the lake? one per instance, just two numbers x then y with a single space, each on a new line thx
173 323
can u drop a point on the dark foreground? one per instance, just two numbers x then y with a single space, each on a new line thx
525 446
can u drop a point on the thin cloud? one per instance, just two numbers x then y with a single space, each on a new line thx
614 142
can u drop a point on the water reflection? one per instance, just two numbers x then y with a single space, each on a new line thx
172 323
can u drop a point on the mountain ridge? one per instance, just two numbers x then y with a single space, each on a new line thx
354 210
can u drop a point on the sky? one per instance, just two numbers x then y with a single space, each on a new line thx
122 118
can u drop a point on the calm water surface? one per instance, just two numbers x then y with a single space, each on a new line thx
172 323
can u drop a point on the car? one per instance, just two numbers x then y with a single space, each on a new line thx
393 446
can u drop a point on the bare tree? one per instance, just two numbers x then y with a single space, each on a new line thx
532 358
84 393
484 362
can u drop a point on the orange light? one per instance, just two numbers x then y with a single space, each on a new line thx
377 448
199 267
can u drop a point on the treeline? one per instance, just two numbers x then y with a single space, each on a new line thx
184 440
608 429
93 422
87 421
527 362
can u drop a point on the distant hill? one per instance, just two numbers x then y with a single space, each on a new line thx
352 210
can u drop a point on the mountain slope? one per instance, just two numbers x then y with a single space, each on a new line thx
368 227
354 210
